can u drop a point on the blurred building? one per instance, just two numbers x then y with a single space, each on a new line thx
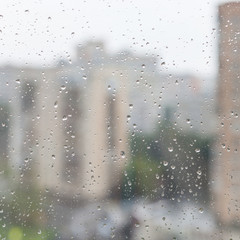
7 73
226 167
185 103
156 97
69 125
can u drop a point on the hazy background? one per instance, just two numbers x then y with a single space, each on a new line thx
109 122
182 33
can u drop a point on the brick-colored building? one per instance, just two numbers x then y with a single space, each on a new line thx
226 167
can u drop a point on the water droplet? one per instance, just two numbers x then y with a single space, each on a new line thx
165 163
56 104
122 154
170 149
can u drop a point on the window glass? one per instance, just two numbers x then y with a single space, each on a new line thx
119 120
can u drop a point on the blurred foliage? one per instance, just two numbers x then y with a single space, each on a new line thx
4 123
25 206
4 117
168 163
15 232
23 215
141 178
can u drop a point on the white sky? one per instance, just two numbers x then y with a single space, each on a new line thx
180 31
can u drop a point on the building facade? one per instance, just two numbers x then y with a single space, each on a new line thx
226 167
69 126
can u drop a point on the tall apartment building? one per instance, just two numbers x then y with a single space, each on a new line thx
69 125
226 168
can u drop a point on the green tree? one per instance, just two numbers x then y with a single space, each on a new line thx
169 163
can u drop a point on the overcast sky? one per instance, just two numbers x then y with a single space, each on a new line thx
182 32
